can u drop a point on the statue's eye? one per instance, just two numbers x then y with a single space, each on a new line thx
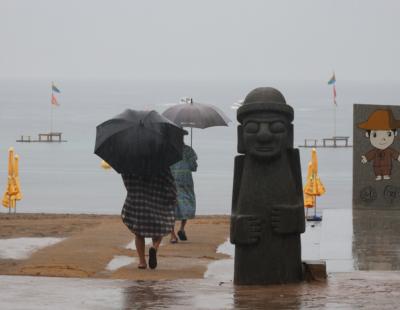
389 133
277 127
251 127
374 134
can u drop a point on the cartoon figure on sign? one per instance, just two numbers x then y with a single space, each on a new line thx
381 129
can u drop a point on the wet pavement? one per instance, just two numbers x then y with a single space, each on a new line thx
356 290
349 243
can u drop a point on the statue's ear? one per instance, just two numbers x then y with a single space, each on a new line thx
240 144
290 136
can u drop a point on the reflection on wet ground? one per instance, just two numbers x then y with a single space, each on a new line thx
331 238
350 240
347 241
357 290
182 294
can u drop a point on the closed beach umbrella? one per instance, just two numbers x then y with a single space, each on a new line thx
9 197
308 199
196 115
13 190
314 161
314 186
140 142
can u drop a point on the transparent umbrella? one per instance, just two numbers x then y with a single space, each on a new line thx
196 115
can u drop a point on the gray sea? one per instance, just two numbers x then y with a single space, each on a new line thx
67 177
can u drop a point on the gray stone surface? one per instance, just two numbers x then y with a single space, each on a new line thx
267 203
369 193
376 239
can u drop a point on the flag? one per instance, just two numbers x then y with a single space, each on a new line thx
332 81
54 88
334 94
54 100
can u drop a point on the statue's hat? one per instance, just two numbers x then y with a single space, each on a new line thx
265 99
381 119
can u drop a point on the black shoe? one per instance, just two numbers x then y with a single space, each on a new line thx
182 235
152 258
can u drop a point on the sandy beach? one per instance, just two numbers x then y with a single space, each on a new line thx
92 241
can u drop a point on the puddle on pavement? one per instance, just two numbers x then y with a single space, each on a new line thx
22 248
222 270
330 240
120 261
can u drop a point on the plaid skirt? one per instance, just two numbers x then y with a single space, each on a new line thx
149 208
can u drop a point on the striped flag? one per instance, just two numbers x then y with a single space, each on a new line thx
55 88
54 100
332 82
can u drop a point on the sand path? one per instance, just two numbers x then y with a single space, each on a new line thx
92 241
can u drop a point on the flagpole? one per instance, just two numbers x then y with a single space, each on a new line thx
334 117
51 108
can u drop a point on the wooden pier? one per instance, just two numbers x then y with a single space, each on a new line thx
44 137
335 141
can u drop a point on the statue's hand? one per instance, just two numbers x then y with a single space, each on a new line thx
245 229
287 219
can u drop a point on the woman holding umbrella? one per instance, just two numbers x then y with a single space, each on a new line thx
149 211
141 146
186 208
194 115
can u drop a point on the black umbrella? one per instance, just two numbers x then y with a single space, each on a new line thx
196 115
141 142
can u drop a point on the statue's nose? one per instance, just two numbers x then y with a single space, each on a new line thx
264 133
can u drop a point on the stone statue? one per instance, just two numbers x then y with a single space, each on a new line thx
267 203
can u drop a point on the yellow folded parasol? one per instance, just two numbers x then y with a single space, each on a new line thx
13 190
16 176
309 200
313 186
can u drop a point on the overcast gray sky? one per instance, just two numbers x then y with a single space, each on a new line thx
205 39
